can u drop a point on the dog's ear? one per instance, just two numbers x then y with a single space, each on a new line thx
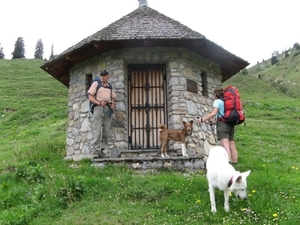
246 174
239 179
243 176
191 122
183 122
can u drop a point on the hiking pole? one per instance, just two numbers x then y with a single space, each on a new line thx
203 135
115 152
211 126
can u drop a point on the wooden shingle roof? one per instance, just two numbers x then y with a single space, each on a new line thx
144 27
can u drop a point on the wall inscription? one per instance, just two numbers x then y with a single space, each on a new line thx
192 86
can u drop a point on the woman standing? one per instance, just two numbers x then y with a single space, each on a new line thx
225 132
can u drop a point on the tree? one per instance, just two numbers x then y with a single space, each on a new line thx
2 56
286 53
51 56
19 52
244 71
274 60
39 50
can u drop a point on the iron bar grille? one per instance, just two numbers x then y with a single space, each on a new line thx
147 108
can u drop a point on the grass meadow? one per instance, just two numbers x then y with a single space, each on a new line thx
37 186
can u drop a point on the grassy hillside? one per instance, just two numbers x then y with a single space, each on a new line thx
38 187
32 101
283 76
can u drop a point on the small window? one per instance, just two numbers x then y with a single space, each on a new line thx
204 84
88 81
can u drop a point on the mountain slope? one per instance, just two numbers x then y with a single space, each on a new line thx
37 186
31 102
283 76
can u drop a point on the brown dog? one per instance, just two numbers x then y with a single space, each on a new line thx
181 136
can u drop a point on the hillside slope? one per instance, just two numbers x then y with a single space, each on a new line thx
283 76
31 102
37 186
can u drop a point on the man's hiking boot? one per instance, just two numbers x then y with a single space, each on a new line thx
97 154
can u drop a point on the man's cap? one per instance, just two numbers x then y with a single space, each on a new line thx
104 72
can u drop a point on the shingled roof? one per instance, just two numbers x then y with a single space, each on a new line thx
144 27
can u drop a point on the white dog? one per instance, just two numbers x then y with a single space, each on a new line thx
221 175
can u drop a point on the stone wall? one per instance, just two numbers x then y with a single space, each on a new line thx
182 104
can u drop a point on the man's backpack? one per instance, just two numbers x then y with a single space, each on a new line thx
233 107
97 79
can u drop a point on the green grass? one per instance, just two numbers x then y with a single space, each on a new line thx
38 187
283 76
32 102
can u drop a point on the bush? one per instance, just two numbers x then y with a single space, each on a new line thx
72 191
31 173
297 46
244 71
274 60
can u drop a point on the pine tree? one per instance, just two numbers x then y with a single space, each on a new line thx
274 59
2 56
39 50
19 52
51 56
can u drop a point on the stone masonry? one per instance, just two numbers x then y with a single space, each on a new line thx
181 65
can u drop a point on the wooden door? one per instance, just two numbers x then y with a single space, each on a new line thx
147 105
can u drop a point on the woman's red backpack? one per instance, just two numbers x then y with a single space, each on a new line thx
233 107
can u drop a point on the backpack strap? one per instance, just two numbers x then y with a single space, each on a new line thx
219 118
99 85
110 91
110 87
92 105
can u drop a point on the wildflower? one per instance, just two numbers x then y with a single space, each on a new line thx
293 167
198 201
249 195
243 209
264 165
253 191
275 215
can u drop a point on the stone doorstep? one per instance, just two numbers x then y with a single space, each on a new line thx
145 153
151 159
187 163
141 159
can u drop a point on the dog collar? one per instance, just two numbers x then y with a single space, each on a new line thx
230 182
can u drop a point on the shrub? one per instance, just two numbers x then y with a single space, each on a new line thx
31 173
274 60
72 191
297 46
245 71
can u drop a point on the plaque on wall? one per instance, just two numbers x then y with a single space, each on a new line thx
192 86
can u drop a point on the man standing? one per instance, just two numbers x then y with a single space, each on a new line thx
104 100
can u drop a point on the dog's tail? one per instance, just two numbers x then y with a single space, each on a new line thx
162 127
